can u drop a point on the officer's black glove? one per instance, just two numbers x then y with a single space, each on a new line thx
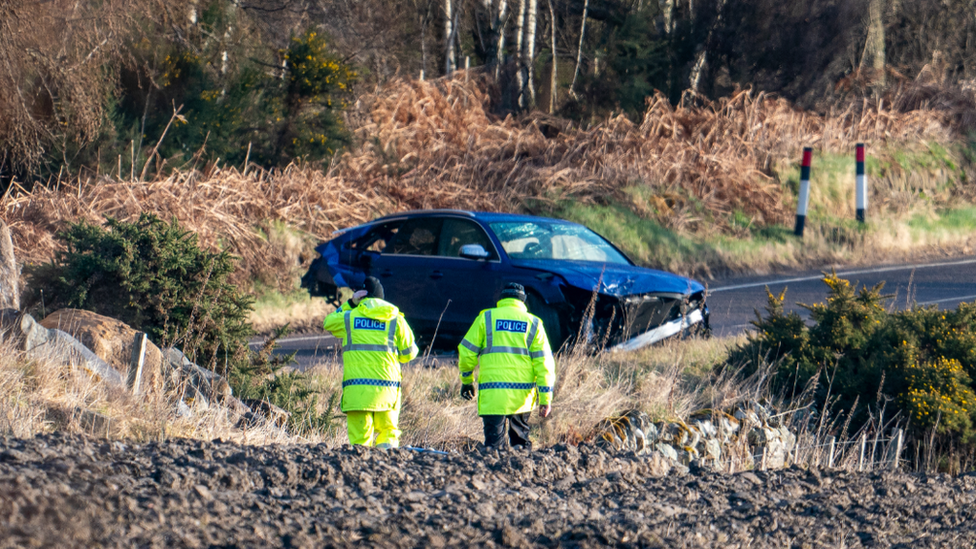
467 392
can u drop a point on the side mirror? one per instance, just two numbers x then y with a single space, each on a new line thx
474 251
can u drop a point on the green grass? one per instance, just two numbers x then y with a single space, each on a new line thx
643 240
952 221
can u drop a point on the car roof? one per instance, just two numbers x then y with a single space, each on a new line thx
484 216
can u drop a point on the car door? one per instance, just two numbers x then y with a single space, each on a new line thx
465 286
406 268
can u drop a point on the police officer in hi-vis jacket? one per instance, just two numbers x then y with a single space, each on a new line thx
375 341
517 368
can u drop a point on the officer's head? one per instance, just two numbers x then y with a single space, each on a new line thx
515 290
374 287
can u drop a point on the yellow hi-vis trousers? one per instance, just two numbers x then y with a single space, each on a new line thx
361 425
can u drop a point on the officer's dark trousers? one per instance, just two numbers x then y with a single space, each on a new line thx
518 430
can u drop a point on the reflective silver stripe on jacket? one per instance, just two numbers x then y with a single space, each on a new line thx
409 350
507 350
491 349
532 331
489 332
470 346
390 346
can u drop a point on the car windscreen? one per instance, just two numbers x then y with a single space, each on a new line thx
564 241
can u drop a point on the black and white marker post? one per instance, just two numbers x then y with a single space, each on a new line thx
804 199
862 184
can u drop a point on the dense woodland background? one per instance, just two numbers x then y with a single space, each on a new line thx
136 87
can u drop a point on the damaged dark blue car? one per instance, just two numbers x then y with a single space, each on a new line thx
443 267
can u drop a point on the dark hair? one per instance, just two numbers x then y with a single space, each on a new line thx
515 290
374 287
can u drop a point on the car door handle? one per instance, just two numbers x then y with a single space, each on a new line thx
436 274
386 272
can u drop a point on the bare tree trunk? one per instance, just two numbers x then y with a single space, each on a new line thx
499 33
424 21
449 61
667 7
874 46
579 52
553 91
702 61
520 27
519 30
532 19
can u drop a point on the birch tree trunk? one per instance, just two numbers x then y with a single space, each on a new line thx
497 15
520 27
449 60
520 59
553 91
499 32
667 6
579 52
874 46
532 19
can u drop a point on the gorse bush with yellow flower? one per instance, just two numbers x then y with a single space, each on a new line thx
239 95
858 357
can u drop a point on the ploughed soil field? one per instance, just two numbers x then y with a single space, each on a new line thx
69 491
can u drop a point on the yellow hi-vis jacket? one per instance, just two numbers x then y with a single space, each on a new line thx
516 361
375 340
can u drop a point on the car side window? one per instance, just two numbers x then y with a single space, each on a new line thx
460 232
417 237
378 238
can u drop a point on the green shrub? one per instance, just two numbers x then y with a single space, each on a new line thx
153 276
920 362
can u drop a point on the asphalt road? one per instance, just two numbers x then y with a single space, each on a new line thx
948 283
733 301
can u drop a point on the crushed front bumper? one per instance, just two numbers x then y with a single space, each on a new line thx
663 331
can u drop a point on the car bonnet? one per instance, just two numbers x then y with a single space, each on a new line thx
617 280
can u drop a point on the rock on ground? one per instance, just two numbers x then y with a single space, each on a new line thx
70 491
9 271
111 340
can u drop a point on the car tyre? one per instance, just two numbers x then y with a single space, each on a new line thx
555 327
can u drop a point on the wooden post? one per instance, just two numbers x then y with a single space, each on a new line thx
830 456
467 68
898 444
762 466
137 362
860 462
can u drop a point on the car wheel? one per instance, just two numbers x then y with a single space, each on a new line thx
555 327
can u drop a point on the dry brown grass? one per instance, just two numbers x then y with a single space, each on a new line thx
668 381
39 396
432 144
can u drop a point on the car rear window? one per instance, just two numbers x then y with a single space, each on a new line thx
563 241
378 238
418 237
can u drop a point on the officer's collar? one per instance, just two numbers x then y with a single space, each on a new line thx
512 302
